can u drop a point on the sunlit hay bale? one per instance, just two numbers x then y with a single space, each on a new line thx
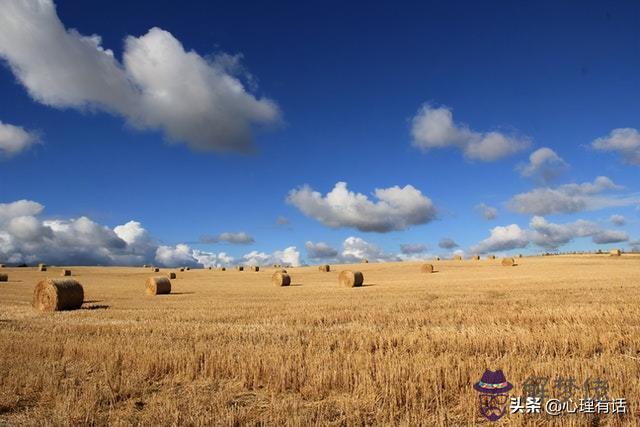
187 268
436 258
158 285
350 279
426 268
519 255
172 275
2 266
146 266
615 252
277 265
181 269
280 270
254 268
42 267
508 262
239 267
4 277
491 257
365 261
223 268
457 257
66 273
58 294
325 268
155 269
475 258
209 268
280 279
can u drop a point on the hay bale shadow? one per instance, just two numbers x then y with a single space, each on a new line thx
96 307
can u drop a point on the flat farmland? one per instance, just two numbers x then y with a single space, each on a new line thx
229 348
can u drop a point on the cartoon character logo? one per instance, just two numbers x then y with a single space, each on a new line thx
493 388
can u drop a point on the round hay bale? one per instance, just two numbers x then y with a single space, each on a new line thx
2 266
519 255
223 268
437 258
280 279
350 279
475 258
4 277
187 268
255 268
42 267
458 257
615 252
491 257
239 268
146 266
181 269
66 273
508 262
158 285
427 268
172 275
365 261
155 270
280 270
324 268
58 294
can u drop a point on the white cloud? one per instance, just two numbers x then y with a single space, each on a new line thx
618 220
434 127
413 248
320 250
355 249
544 165
396 209
487 212
447 243
14 139
240 238
569 198
624 141
503 239
288 256
547 235
157 86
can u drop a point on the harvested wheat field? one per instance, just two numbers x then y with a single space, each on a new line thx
229 348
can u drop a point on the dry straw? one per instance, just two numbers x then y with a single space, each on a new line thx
508 262
324 268
172 275
280 279
4 277
66 273
615 252
42 267
58 294
426 268
158 285
280 270
350 279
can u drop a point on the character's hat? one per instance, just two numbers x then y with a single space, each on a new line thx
493 383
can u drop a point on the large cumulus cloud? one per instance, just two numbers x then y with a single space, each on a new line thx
397 208
158 85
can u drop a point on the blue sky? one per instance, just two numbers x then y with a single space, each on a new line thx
331 93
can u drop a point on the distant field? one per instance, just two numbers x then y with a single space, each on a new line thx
229 348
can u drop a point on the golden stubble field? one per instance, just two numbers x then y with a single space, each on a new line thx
228 348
